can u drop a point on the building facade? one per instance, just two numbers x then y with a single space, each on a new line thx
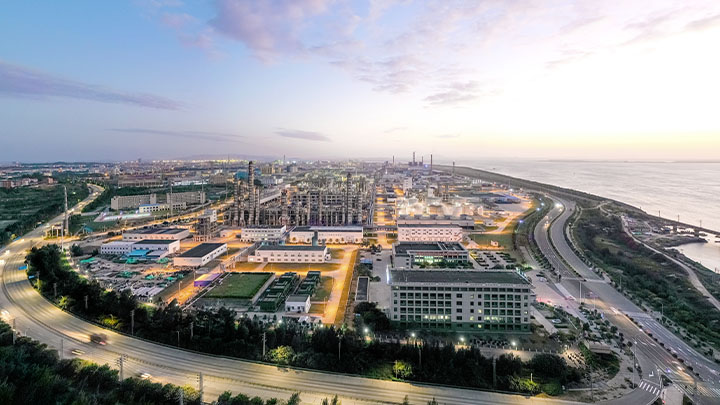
414 254
290 254
326 234
429 233
482 301
156 234
262 233
122 202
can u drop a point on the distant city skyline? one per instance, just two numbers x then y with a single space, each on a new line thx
163 79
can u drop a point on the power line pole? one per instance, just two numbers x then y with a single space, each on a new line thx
263 344
191 330
86 302
494 362
132 322
201 386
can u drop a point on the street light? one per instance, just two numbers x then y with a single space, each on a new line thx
366 330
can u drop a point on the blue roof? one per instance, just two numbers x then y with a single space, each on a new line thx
139 253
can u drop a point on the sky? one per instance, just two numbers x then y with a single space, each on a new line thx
163 79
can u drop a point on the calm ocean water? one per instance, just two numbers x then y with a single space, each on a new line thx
691 190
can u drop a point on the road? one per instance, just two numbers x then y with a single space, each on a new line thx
617 309
34 316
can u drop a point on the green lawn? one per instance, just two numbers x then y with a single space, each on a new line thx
323 289
239 285
278 267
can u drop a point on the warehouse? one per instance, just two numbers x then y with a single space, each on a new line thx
164 245
455 299
200 255
327 234
116 247
290 254
156 234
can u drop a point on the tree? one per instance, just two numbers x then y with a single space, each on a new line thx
294 399
282 355
76 250
334 401
402 369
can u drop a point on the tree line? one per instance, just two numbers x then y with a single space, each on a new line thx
289 343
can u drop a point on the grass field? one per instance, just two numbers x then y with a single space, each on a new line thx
239 285
323 289
504 239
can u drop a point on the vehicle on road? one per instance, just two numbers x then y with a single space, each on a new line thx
99 338
77 352
145 376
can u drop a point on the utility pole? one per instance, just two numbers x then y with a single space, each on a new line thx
178 335
62 347
65 220
201 386
264 344
120 363
494 361
339 344
181 394
55 290
132 322
86 302
191 330
14 333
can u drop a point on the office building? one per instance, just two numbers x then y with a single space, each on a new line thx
290 254
121 202
412 255
326 234
262 233
429 233
491 301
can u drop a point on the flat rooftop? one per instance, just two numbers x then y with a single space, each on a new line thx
262 227
202 249
404 248
155 241
328 229
456 277
297 298
158 231
427 226
308 248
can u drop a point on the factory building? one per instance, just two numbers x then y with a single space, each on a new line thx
122 202
290 254
262 233
463 221
124 247
148 208
330 200
413 255
187 197
200 255
326 234
206 225
429 233
156 234
490 301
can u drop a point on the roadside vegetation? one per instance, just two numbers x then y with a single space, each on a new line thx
646 277
23 208
345 350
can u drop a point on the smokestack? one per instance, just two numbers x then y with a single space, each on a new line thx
431 163
422 160
393 160
413 158
453 172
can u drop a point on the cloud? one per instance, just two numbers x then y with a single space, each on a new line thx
209 136
447 136
455 93
704 23
395 129
19 81
306 135
268 28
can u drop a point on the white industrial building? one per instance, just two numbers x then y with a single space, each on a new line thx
298 303
429 233
124 247
326 234
156 234
163 245
132 201
492 301
147 208
116 247
188 197
200 255
262 233
290 254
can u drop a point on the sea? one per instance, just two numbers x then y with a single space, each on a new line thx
689 191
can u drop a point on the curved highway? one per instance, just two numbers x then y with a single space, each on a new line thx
652 357
39 319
